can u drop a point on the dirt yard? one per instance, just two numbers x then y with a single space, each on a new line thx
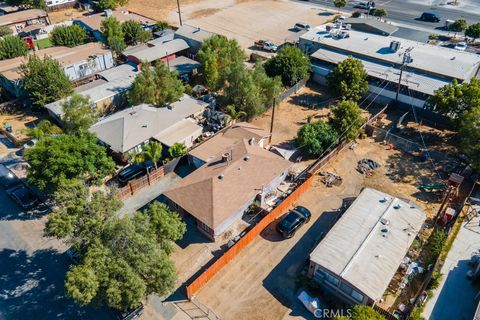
65 15
266 287
19 121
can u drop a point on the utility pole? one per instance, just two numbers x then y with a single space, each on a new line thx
271 123
179 12
406 59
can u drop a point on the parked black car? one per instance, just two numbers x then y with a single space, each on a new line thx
130 314
429 16
23 195
132 171
7 178
293 220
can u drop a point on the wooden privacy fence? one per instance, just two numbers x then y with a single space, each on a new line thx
231 253
140 183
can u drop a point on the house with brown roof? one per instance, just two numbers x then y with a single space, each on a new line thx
77 63
20 19
93 22
237 171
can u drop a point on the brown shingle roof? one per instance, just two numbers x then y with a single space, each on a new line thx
218 189
227 137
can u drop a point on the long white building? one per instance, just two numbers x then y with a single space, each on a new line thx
429 67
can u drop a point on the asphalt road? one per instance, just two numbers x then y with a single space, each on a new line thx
409 11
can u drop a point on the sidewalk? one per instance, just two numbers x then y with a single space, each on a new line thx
456 297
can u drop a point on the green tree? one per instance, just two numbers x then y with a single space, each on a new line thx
12 46
360 312
316 137
129 261
44 129
111 4
469 135
5 31
455 99
44 80
68 36
243 92
269 87
340 3
380 12
177 150
64 156
473 31
134 33
157 86
290 64
79 114
113 34
152 152
234 114
458 26
348 79
80 216
218 55
346 119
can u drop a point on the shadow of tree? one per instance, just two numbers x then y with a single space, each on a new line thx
32 287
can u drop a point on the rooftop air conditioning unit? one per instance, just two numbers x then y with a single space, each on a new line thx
395 45
108 13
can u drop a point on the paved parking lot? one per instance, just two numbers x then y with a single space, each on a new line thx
32 270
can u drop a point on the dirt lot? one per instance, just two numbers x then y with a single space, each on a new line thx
264 288
268 19
248 21
65 14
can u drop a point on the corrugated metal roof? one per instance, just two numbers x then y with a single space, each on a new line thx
426 57
156 52
357 249
419 82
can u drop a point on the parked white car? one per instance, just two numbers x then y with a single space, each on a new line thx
462 46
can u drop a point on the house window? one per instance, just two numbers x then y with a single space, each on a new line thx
320 275
351 292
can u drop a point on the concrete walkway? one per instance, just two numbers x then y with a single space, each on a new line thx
148 194
455 298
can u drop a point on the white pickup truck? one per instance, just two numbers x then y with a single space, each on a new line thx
266 45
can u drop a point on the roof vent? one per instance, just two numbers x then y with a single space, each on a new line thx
397 206
220 177
384 199
251 141
108 13
384 221
384 232
225 157
246 158
144 126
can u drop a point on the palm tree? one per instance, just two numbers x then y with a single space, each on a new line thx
152 151
234 114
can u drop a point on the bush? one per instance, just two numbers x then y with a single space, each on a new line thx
356 14
68 36
5 31
433 36
177 150
316 137
11 47
380 12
